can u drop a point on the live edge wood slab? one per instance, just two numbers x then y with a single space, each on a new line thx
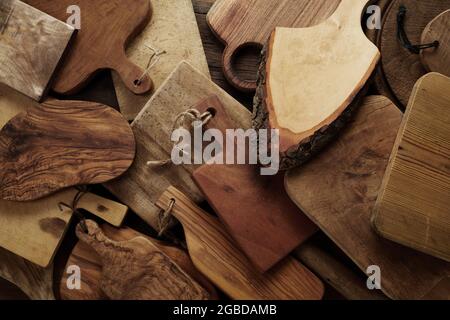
29 55
338 190
309 78
107 26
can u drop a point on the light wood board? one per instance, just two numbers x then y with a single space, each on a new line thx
173 29
413 207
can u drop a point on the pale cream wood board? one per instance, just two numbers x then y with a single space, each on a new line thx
413 207
315 72
34 230
142 185
173 29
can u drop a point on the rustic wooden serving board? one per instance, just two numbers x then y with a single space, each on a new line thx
256 210
106 28
214 253
172 30
142 185
240 23
91 266
34 230
29 56
338 190
60 144
413 206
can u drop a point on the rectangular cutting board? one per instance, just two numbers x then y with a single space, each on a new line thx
413 207
32 43
173 29
338 190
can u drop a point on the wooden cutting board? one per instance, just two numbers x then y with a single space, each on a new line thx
106 28
142 185
34 230
413 206
91 266
172 30
338 190
256 210
215 254
30 55
240 23
298 66
60 144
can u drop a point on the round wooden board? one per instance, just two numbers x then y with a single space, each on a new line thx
400 69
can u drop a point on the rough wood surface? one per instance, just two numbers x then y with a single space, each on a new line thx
29 55
338 190
214 253
400 69
298 65
59 144
91 266
106 28
142 185
138 270
173 30
413 206
437 59
256 210
240 23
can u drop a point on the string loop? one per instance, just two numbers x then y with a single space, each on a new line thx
82 190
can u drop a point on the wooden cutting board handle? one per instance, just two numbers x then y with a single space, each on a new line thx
230 74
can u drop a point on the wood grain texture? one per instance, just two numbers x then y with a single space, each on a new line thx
256 210
400 69
107 26
32 45
137 270
413 206
298 65
141 186
437 59
214 253
91 266
59 144
174 30
338 190
240 23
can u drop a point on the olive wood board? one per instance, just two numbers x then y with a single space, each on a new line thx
173 33
241 23
216 255
107 26
34 230
29 56
255 209
338 190
413 206
142 185
59 144
91 266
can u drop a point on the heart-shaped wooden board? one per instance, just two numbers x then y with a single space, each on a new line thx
59 144
310 77
106 28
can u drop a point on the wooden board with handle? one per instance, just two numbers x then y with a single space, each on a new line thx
413 206
106 28
29 56
142 185
256 210
299 64
173 33
90 265
215 254
240 23
338 190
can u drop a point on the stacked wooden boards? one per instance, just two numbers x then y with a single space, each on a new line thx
413 207
29 56
338 190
